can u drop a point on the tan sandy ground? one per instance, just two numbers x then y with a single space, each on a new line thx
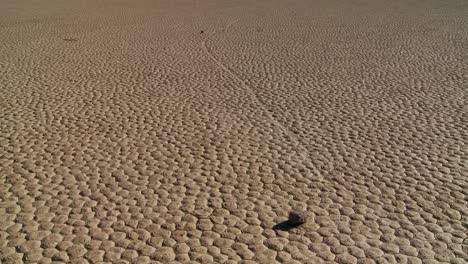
184 130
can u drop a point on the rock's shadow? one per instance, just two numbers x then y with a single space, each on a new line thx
285 226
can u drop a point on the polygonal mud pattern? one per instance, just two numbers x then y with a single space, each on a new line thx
129 137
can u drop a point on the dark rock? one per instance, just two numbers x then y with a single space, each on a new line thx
297 218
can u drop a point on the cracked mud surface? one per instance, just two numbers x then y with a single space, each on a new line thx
128 136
